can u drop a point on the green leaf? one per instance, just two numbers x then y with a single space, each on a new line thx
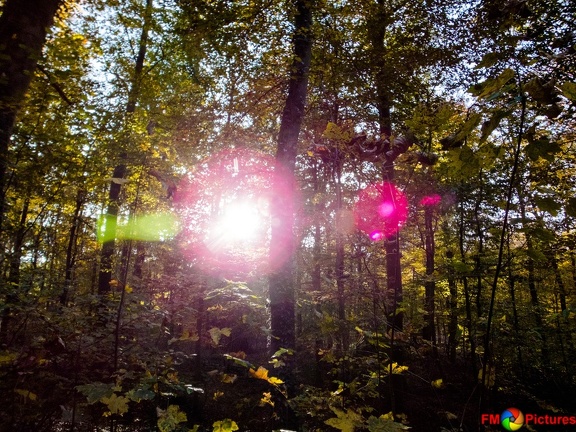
490 125
570 207
488 60
468 126
239 361
143 393
569 90
490 86
385 423
95 391
548 204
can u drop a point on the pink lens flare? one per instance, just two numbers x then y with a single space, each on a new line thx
431 200
224 209
381 210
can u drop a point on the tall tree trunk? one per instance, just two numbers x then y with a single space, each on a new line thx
377 32
339 264
23 28
14 273
534 300
470 322
281 282
120 171
70 251
453 323
429 331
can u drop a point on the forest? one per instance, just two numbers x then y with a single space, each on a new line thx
298 216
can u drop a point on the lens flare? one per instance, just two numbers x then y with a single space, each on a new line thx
224 210
381 210
431 200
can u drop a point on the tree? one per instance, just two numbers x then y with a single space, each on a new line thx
282 302
23 29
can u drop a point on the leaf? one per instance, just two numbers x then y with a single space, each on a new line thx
570 207
262 373
334 132
217 333
116 404
548 204
396 369
169 419
224 426
143 393
239 361
95 391
228 378
439 383
490 125
266 399
27 394
569 90
491 86
468 126
345 421
488 60
385 423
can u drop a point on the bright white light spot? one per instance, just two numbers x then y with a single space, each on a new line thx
240 222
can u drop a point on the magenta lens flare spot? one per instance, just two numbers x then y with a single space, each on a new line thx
381 210
431 200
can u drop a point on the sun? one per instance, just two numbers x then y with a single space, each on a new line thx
240 222
224 208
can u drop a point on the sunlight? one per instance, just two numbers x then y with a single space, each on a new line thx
240 222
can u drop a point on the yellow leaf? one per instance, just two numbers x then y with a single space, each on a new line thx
261 373
266 399
116 404
228 379
218 395
275 381
224 426
389 416
438 383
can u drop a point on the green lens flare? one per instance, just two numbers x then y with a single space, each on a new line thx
152 227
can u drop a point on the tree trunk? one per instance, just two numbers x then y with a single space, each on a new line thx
70 255
23 28
120 171
534 300
282 311
14 273
429 331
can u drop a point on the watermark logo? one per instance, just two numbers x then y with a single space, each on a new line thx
512 419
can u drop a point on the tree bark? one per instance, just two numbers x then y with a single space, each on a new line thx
429 331
120 171
14 273
281 281
23 28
